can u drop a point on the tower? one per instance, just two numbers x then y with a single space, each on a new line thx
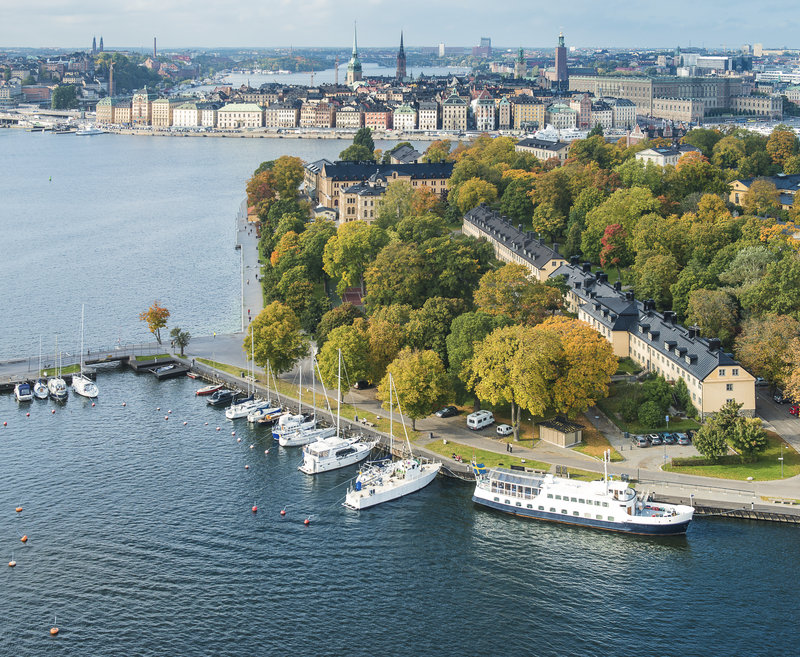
94 45
354 65
401 60
519 66
101 43
561 63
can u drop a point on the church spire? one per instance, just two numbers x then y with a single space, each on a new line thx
401 60
355 39
354 66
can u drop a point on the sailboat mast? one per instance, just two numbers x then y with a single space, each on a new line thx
83 307
339 396
391 417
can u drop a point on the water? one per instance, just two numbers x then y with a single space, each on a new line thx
142 542
124 221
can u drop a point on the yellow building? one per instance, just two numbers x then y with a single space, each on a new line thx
163 110
240 115
527 113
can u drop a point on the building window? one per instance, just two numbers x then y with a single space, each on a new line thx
735 371
722 372
729 387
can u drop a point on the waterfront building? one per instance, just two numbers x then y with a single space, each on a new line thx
663 156
208 114
308 114
633 328
350 116
561 116
122 111
401 61
10 92
454 113
163 110
282 115
240 115
324 115
404 118
142 106
36 93
378 117
543 149
484 110
428 115
685 110
354 65
332 178
115 111
769 107
186 115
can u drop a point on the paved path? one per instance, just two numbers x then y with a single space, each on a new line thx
247 241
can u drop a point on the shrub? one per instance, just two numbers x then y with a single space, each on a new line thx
650 415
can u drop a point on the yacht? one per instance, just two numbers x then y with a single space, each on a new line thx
243 407
306 436
89 129
266 414
603 504
23 392
40 390
290 424
222 397
383 481
57 388
82 384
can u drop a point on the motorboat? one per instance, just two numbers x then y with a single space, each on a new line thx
89 129
601 504
40 390
222 397
81 383
209 389
23 392
266 414
333 453
306 436
243 407
57 388
291 424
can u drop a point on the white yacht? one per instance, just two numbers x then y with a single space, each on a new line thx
287 424
88 129
382 481
82 384
57 388
603 504
40 390
265 414
243 407
23 392
306 436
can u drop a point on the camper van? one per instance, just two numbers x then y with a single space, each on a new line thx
479 420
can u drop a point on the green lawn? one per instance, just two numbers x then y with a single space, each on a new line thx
489 459
766 468
611 404
628 366
153 357
70 369
595 443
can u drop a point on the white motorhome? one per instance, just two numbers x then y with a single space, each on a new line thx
479 420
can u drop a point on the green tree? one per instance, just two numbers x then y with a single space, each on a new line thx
650 415
312 246
421 228
762 198
658 391
465 331
710 441
748 438
510 291
471 193
354 344
728 152
343 315
64 96
683 398
655 274
715 312
455 265
776 292
421 383
180 338
386 339
429 326
516 202
156 317
395 204
348 253
287 175
548 220
399 274
703 138
363 137
277 338
357 153
623 207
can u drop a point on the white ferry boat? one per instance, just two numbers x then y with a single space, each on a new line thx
602 504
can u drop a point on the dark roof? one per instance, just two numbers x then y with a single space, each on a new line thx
406 154
561 424
363 170
525 244
316 166
782 181
543 144
365 189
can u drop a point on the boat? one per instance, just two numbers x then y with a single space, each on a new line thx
222 397
209 389
88 129
305 432
57 387
602 504
243 407
23 392
81 383
40 390
335 451
266 414
164 368
386 480
289 423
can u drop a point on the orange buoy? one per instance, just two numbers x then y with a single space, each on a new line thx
5 424
18 509
12 563
255 508
53 631
283 512
92 403
24 538
27 414
247 467
306 521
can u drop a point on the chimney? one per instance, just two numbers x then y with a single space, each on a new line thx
668 316
155 52
555 247
574 260
519 227
587 267
541 241
629 296
713 344
618 286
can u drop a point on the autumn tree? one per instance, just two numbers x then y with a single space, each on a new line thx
764 343
287 174
511 291
615 252
387 336
762 198
277 338
420 381
348 253
261 191
395 203
156 317
715 312
703 138
420 228
471 193
399 274
353 342
791 360
782 144
343 315
312 246
437 151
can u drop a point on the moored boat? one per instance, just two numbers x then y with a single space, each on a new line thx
82 384
209 389
40 389
602 504
57 388
222 397
23 392
266 414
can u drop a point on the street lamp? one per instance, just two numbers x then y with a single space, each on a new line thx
780 458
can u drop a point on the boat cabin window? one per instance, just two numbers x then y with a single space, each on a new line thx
572 499
599 517
530 506
575 513
587 515
611 518
541 508
552 509
605 503
558 497
581 501
564 511
549 496
527 490
496 499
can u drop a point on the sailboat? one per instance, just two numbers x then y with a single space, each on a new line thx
40 387
334 452
269 411
382 481
304 432
81 383
56 386
243 407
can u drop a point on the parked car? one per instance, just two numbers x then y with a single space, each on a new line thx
447 411
504 429
794 409
684 439
778 397
641 441
361 385
655 439
761 381
480 419
669 438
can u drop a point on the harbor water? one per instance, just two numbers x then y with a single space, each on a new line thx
141 537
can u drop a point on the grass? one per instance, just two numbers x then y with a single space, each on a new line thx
765 468
584 475
155 357
595 443
489 459
611 405
69 369
628 366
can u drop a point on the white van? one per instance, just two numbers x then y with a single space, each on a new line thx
479 420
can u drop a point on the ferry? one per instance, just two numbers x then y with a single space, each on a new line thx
604 504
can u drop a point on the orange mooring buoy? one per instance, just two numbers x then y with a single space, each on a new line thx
24 538
283 512
18 509
307 521
53 631
12 563
92 403
255 508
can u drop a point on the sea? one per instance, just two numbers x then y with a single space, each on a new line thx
141 538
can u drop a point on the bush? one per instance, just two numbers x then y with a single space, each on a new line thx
650 415
629 409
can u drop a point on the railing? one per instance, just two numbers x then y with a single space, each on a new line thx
30 364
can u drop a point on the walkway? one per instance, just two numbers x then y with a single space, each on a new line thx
247 243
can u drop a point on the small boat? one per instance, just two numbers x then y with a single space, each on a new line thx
306 436
243 407
602 504
164 368
209 390
222 397
88 129
82 384
56 386
266 414
23 392
290 424
191 375
40 390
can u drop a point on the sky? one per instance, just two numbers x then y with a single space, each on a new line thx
271 23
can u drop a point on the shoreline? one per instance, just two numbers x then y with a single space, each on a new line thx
291 133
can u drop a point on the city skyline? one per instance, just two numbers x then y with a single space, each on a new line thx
323 23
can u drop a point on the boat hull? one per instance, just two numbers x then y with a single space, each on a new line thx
305 437
674 529
208 390
312 465
373 495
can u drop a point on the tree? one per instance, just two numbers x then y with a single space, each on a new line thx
776 292
428 326
683 398
510 291
395 204
386 339
584 366
287 174
762 198
471 193
438 151
455 265
180 338
596 131
348 253
156 317
421 228
791 359
548 220
354 344
615 251
710 441
715 312
650 415
312 246
728 152
782 144
261 191
516 201
343 315
657 390
357 153
764 343
748 438
399 274
655 274
420 381
465 331
64 96
363 137
277 338
703 138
